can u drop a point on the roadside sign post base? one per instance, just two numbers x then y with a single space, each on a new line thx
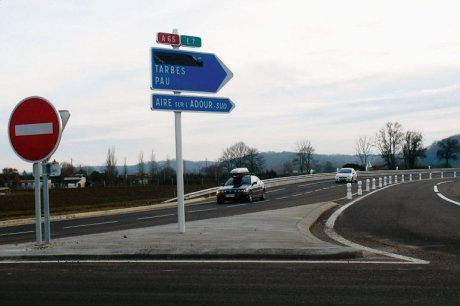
46 202
38 213
179 172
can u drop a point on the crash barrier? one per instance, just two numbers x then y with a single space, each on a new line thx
387 180
289 180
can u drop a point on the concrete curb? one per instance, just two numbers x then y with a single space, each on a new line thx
256 236
221 254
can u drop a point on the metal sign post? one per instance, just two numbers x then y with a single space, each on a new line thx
179 172
38 213
179 71
35 130
179 163
46 201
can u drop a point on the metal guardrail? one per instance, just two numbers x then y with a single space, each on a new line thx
288 180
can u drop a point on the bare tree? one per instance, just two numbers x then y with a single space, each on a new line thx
255 161
388 141
153 166
241 155
363 148
111 171
305 152
125 171
287 168
412 148
141 167
67 169
448 149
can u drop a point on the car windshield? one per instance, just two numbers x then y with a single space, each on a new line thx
345 171
237 181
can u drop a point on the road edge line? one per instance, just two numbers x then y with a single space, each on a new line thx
329 230
439 194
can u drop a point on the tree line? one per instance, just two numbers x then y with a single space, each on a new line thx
399 148
396 147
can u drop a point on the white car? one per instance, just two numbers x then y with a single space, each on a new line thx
346 175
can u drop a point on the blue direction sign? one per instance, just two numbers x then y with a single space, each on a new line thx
177 70
180 103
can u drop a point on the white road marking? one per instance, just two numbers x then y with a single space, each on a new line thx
210 261
439 194
90 224
297 195
200 210
236 205
17 233
155 217
282 198
33 129
329 230
275 190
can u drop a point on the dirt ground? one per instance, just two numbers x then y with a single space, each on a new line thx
19 204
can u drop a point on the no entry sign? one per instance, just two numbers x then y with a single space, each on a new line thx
34 129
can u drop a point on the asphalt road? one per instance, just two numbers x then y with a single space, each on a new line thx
228 284
409 219
277 197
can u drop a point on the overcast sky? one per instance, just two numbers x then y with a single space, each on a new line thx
324 71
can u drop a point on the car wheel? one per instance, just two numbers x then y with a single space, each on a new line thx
262 196
250 198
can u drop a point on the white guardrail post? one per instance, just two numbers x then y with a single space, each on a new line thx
396 178
360 188
368 187
380 182
373 184
349 194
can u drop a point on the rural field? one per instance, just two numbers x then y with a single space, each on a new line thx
20 204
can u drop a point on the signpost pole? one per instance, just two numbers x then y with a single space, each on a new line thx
180 164
38 213
46 202
180 173
190 71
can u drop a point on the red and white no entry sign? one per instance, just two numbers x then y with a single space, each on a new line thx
34 129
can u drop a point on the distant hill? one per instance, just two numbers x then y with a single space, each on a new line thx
321 162
189 166
276 160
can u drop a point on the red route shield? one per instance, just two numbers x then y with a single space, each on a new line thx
34 129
